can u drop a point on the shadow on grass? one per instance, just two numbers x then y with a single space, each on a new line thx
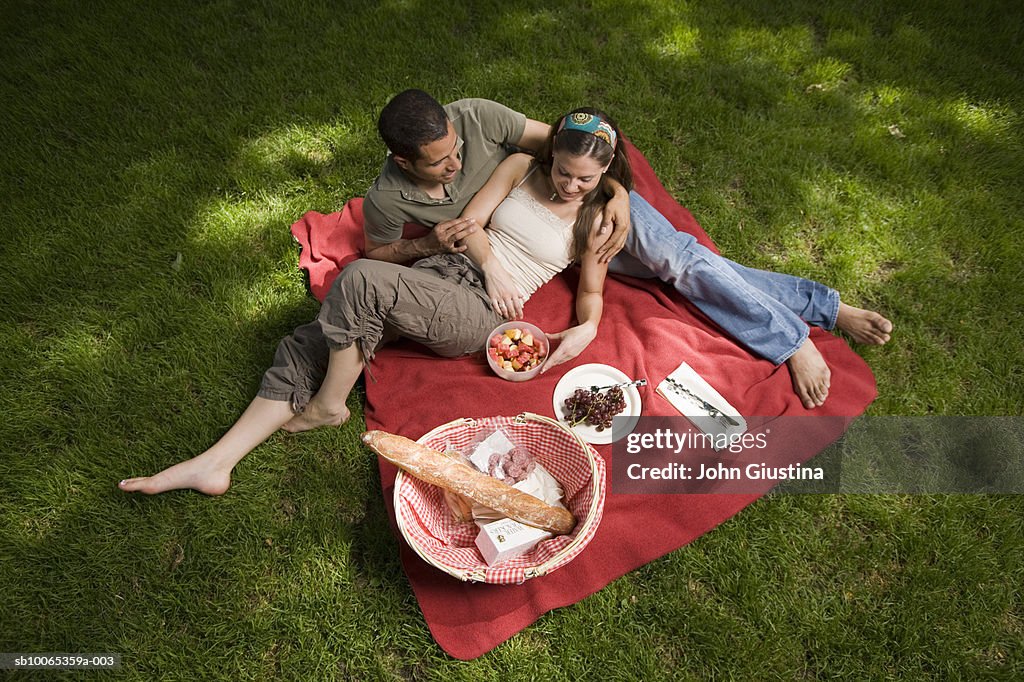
141 133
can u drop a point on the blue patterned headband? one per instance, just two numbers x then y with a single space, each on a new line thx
589 123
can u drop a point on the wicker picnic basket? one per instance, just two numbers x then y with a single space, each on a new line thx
426 522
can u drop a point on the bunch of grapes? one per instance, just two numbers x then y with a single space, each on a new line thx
597 408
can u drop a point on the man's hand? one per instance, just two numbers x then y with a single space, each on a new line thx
573 341
616 222
448 235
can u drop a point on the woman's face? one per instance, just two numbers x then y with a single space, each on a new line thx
574 176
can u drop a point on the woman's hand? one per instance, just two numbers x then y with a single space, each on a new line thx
502 291
573 341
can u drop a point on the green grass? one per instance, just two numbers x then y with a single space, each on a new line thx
154 155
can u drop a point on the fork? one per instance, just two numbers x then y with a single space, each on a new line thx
635 382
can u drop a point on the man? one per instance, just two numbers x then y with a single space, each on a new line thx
441 156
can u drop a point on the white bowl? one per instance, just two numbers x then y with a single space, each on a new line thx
540 339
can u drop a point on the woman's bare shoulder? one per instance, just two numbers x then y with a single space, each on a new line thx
518 160
513 169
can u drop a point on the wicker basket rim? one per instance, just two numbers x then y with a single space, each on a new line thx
583 531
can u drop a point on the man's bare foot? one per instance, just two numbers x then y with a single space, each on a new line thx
316 414
195 473
863 326
811 376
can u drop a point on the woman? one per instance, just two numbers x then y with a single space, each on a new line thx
541 215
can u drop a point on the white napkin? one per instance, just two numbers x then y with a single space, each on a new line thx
496 443
539 483
698 414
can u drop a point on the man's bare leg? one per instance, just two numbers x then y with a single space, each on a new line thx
327 407
811 376
863 326
210 472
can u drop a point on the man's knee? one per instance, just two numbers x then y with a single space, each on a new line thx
363 275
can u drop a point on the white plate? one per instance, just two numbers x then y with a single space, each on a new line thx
586 376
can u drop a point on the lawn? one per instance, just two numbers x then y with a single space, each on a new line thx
154 156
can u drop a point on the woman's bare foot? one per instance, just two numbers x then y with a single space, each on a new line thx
863 326
811 376
317 414
196 473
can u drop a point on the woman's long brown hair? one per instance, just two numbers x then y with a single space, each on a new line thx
579 143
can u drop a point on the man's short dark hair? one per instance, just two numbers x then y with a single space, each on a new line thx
410 120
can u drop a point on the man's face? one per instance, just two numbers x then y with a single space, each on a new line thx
439 160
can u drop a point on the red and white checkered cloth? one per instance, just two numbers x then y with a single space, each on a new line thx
426 522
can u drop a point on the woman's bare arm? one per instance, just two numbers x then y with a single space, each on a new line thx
589 302
505 296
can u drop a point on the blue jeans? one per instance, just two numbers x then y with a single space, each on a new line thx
764 311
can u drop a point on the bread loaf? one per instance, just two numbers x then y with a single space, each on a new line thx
438 469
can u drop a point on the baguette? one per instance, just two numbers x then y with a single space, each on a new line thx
438 469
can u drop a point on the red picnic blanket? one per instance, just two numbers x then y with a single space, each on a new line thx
647 329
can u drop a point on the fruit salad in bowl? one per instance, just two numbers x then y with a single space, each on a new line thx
516 351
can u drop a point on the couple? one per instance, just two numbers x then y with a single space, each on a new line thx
450 167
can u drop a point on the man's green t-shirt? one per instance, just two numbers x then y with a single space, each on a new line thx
484 128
